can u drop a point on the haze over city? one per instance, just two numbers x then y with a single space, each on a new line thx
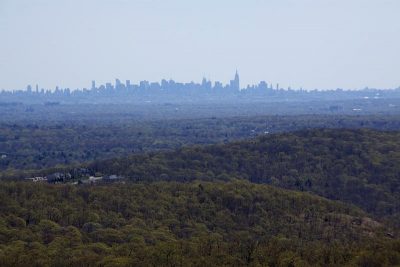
302 43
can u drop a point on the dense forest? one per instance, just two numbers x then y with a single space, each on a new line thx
361 167
245 191
185 224
40 144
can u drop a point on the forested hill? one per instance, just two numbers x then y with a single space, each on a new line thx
185 224
37 144
361 167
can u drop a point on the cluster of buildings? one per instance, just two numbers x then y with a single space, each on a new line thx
76 176
143 88
168 90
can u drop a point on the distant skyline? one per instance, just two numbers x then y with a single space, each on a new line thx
322 44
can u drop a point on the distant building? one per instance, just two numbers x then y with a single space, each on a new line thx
218 85
119 85
144 85
58 177
206 84
235 83
263 86
37 179
91 180
109 87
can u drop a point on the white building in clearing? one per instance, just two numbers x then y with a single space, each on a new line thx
37 179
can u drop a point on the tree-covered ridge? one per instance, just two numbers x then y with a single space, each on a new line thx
361 167
36 144
184 224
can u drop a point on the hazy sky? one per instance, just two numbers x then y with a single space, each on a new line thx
298 43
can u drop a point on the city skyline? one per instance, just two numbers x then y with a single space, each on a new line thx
233 84
118 84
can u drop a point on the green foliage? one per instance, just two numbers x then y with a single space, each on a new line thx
38 143
360 167
184 224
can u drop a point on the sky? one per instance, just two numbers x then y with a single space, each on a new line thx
324 44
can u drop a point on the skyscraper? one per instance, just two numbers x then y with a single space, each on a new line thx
118 84
235 84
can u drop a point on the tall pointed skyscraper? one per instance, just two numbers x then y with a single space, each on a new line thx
235 84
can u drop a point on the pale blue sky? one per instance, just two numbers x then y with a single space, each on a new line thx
298 43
